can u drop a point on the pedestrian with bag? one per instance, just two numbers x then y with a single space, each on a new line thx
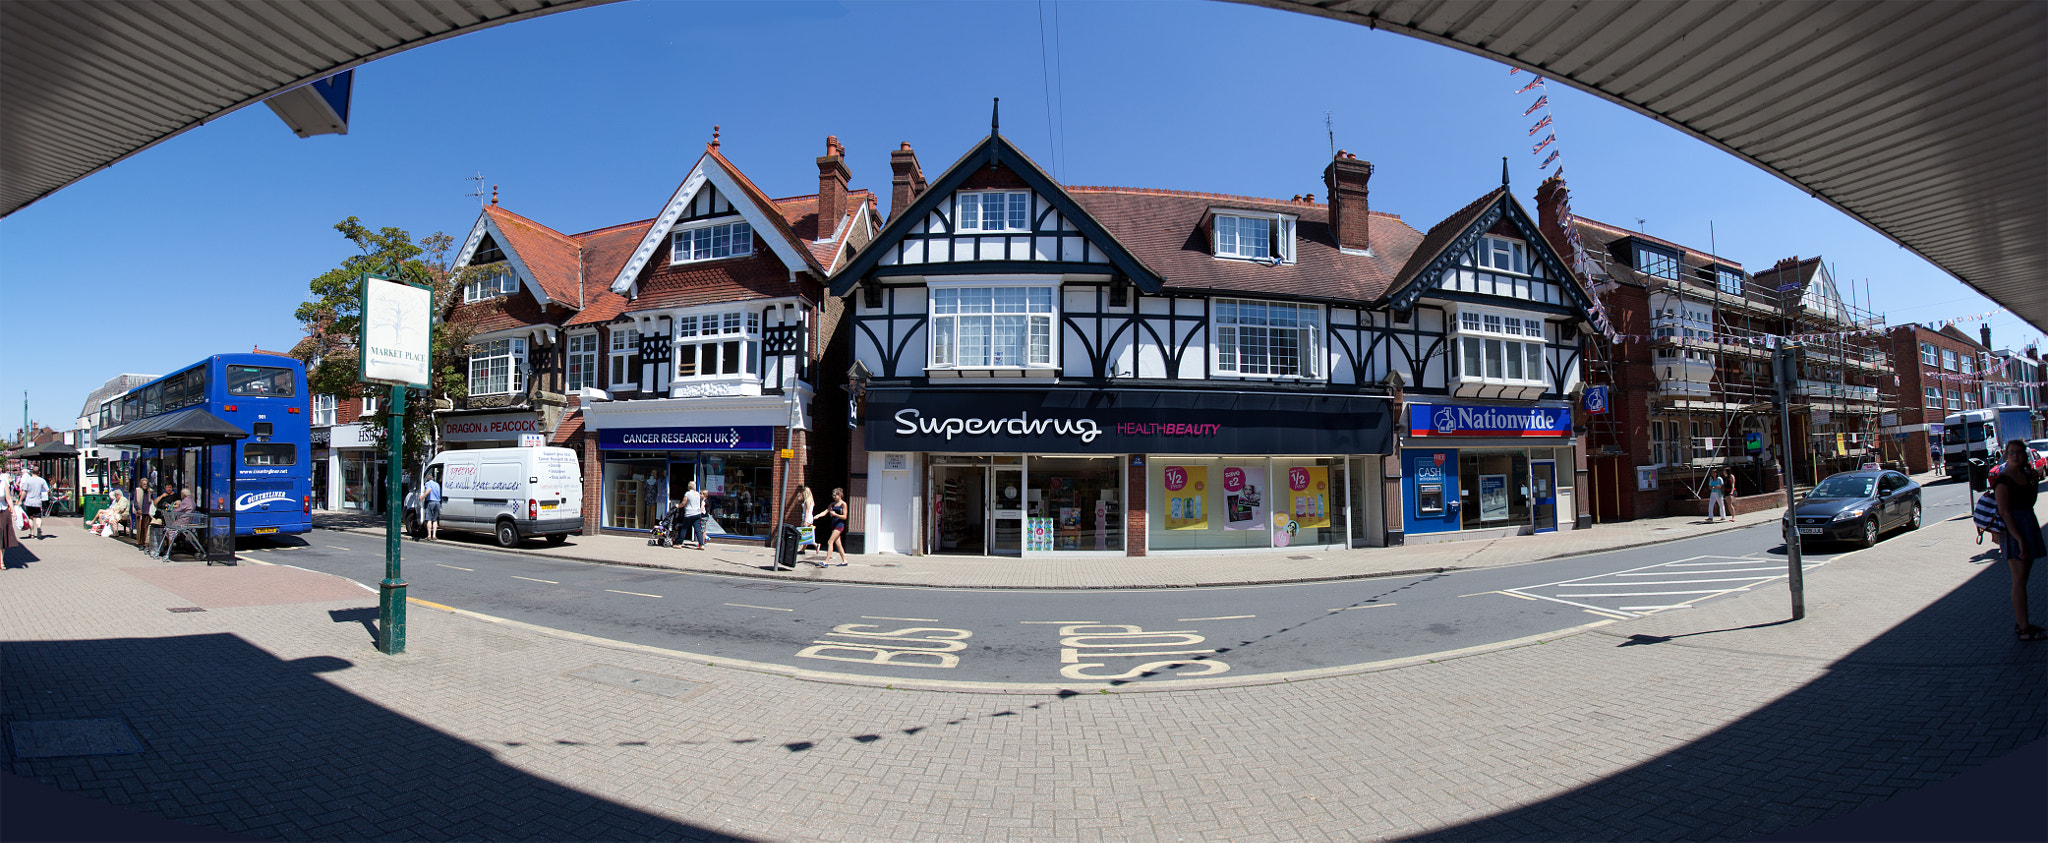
2017 487
35 494
835 527
693 515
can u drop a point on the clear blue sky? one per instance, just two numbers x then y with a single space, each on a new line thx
205 243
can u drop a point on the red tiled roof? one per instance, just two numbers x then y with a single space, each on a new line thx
1440 235
256 350
570 428
1163 230
548 254
768 208
500 313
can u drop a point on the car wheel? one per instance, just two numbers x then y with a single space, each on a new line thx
1870 532
557 538
1914 522
508 534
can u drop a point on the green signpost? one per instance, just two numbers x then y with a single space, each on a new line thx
393 348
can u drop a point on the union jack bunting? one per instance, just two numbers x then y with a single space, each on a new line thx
1539 125
1514 70
1546 142
1540 103
1547 161
1533 84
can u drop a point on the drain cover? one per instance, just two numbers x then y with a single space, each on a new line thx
664 686
73 738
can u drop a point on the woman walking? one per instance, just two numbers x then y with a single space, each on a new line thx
2016 488
835 526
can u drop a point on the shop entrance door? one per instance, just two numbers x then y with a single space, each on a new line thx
1006 513
960 509
1543 502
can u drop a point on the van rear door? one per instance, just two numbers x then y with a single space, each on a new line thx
561 482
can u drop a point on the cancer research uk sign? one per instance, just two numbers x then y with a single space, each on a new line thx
396 318
1481 421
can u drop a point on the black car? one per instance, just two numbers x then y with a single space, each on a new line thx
1857 506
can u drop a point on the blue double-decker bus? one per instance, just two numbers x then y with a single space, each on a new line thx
263 394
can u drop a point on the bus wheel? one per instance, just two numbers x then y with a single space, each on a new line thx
508 534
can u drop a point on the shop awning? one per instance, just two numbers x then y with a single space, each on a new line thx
47 450
185 428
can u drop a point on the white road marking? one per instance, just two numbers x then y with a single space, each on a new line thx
751 606
1059 623
887 618
1607 615
1217 618
458 567
1373 606
549 582
1689 582
1690 573
1512 594
1655 593
339 547
634 593
1654 608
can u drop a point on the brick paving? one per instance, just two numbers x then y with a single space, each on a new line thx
277 719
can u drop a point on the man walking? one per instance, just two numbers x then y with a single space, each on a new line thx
430 507
35 494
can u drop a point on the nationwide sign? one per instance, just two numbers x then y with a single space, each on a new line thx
1477 420
1070 421
728 438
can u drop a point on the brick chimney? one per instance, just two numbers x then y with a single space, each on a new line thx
909 181
1551 197
832 179
1984 332
1349 218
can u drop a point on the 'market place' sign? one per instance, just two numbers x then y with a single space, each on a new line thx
394 337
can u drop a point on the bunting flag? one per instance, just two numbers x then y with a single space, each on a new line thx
1541 102
1547 161
1533 84
1514 70
1546 142
1539 125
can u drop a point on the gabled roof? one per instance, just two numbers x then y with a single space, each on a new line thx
755 207
1448 240
993 151
547 257
1165 230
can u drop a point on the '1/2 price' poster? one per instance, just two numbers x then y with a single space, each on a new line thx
1309 496
1187 492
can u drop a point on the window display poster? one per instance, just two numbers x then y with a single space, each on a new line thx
1244 501
1187 491
714 484
1309 496
1493 497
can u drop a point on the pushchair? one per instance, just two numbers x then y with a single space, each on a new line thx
669 531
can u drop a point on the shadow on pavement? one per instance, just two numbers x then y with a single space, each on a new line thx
1918 714
19 557
237 740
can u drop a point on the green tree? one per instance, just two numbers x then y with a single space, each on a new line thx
332 315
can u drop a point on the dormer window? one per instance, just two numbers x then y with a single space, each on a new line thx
1503 255
499 283
1267 237
994 210
1656 262
1730 280
711 241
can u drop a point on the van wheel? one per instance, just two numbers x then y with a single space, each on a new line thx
557 538
508 534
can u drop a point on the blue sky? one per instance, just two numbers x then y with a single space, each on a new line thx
205 243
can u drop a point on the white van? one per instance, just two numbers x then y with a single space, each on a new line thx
511 493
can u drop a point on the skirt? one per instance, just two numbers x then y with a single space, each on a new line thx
7 537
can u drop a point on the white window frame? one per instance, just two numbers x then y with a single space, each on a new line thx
1955 400
370 403
1646 255
1933 397
1729 280
734 241
501 283
323 410
1279 236
1492 248
581 370
1948 359
945 334
977 221
624 346
1928 357
1969 363
1970 400
1230 323
511 350
734 337
1483 350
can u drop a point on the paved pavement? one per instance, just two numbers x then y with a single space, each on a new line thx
268 713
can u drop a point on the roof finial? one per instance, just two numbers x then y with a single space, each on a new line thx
1503 171
494 196
713 145
994 112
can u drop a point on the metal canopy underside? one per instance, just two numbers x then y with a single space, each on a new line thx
86 83
1927 121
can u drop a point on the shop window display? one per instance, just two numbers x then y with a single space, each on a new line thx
740 495
1074 503
1244 502
632 494
1493 489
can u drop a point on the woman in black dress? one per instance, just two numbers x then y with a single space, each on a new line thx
835 526
2016 487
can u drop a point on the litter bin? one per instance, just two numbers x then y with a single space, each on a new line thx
785 547
92 505
1980 475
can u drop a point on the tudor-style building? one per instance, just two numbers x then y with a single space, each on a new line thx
1072 370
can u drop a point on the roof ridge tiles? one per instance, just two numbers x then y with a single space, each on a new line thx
1199 194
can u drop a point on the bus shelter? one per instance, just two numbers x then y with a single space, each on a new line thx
57 464
193 448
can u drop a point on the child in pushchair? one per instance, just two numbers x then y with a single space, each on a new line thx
669 532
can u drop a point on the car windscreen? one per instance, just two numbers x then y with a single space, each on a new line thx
1845 487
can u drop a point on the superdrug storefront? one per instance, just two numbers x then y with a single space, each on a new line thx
1043 472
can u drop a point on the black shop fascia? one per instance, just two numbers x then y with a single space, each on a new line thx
1126 421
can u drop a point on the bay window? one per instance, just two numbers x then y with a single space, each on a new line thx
1500 347
991 326
703 242
323 411
1266 339
494 367
582 361
718 344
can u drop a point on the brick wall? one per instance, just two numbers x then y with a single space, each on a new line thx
1134 510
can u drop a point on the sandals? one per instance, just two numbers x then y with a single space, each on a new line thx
2029 633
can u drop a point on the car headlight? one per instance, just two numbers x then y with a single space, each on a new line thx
1847 514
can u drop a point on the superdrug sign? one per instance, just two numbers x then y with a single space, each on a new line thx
1130 421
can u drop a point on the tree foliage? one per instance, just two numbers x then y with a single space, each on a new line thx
332 315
